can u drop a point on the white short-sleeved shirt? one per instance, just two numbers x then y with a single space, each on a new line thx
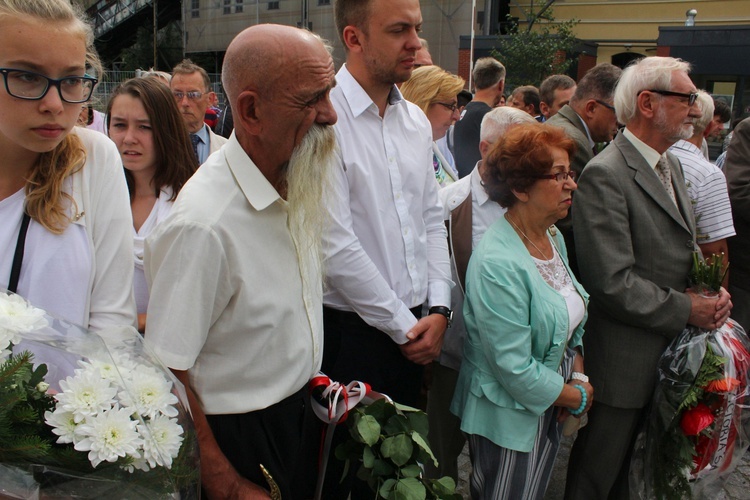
228 300
85 274
707 187
158 213
386 248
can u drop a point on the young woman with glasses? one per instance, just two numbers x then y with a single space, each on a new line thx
65 241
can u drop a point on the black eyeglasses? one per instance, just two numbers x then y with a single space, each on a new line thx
608 106
34 86
559 177
452 106
691 97
193 96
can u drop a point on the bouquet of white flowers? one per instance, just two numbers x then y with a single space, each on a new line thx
88 415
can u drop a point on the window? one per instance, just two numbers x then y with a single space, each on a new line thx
324 2
238 8
227 7
195 8
273 5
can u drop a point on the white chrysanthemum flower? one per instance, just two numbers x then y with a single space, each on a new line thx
149 393
108 436
115 369
63 424
137 463
162 438
87 393
16 318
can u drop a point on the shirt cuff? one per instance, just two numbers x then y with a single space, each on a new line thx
440 294
402 322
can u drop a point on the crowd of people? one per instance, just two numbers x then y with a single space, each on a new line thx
368 223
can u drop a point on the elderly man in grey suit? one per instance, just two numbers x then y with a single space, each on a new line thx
589 118
635 236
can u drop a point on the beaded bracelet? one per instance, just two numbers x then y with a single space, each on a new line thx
584 399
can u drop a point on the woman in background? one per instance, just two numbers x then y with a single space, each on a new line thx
524 313
145 124
435 91
64 220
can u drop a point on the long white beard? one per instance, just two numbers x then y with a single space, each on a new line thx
308 182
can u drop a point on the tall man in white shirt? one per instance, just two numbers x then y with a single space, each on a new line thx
386 251
236 283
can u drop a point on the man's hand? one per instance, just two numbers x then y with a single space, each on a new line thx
241 488
709 313
425 339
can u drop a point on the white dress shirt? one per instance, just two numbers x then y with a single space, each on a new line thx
228 300
386 248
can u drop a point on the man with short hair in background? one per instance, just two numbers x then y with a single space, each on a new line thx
526 98
191 88
554 93
489 81
589 118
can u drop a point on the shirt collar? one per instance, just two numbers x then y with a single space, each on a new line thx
586 127
480 194
254 185
651 155
356 96
687 146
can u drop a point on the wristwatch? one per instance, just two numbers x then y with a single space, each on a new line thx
579 376
444 311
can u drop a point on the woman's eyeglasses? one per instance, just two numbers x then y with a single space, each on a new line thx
34 86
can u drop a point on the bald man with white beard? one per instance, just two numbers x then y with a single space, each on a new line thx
252 216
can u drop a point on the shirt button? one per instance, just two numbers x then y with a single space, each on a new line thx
689 244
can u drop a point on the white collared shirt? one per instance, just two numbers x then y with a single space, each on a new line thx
228 300
651 155
386 248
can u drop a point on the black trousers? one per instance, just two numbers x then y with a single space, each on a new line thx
283 437
355 350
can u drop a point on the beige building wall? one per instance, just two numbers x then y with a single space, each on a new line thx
633 25
212 30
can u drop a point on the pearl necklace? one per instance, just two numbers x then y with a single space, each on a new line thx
512 222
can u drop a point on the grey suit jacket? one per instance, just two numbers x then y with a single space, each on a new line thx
634 253
568 120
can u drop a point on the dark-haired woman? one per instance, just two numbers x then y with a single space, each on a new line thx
522 372
145 124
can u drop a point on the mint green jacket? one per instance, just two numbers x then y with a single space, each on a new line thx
517 331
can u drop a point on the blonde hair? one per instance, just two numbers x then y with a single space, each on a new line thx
431 84
46 201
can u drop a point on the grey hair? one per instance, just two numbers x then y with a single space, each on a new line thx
648 73
499 120
487 72
706 105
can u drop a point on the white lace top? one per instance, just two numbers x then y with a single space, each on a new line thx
556 275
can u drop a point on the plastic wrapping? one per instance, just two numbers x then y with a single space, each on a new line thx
699 424
88 415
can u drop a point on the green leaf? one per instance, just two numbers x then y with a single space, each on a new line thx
424 446
376 409
413 470
382 468
398 448
409 489
396 424
387 487
368 457
368 429
418 421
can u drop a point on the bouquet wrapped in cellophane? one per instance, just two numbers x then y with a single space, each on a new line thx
699 425
88 415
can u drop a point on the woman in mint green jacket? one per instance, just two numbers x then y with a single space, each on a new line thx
524 313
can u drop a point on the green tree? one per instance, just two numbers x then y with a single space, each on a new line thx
537 48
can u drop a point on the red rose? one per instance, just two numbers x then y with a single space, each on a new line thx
696 419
